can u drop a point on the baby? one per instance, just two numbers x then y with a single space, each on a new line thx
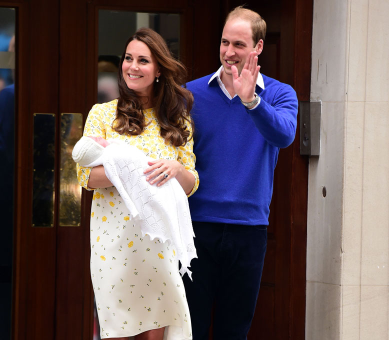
86 151
103 142
162 212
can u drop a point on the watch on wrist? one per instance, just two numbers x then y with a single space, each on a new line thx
252 103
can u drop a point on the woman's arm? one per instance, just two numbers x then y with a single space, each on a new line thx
183 168
94 127
186 179
98 179
187 158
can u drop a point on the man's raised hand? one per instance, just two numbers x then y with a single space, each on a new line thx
244 84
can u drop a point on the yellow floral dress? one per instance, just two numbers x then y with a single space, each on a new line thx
135 280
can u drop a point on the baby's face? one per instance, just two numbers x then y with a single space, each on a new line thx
100 140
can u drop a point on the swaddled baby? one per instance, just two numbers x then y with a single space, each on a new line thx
89 149
162 212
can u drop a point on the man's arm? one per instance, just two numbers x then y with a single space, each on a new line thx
277 122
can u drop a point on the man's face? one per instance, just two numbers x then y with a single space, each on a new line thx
236 44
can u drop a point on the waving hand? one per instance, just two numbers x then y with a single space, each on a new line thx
244 84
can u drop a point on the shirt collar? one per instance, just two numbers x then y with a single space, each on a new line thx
260 82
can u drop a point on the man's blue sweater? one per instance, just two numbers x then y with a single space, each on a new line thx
237 149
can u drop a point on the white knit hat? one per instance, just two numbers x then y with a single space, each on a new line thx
86 151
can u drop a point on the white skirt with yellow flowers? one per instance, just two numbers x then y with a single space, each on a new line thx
136 281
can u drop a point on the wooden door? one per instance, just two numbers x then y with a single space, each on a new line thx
57 51
50 255
280 312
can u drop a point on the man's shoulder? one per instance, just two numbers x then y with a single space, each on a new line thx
199 82
274 84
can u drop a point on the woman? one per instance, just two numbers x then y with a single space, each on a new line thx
138 289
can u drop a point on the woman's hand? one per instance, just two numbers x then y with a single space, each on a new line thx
173 169
163 170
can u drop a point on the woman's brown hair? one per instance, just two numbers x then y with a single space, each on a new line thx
172 102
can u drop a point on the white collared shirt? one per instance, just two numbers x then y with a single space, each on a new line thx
260 83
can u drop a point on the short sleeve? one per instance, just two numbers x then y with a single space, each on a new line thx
188 159
94 127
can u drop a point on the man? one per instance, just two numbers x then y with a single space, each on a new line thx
242 119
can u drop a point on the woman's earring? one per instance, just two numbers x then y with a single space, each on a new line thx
157 79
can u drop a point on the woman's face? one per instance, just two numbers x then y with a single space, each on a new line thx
140 68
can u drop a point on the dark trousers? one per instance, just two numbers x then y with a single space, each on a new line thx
226 278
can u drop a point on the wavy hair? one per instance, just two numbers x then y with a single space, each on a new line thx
172 102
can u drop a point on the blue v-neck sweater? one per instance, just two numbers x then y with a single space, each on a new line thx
236 150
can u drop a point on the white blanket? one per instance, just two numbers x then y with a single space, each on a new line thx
162 212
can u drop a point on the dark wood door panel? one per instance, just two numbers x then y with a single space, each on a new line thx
22 210
37 92
74 295
136 6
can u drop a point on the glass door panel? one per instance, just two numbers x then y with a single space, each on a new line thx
70 190
43 171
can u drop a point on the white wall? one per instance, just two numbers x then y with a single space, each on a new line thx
348 230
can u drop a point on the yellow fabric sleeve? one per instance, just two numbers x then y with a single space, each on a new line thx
94 126
188 159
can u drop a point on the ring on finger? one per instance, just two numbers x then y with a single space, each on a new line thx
165 175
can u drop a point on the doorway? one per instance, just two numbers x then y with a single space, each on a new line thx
56 85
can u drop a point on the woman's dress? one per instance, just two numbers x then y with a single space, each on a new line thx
136 281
